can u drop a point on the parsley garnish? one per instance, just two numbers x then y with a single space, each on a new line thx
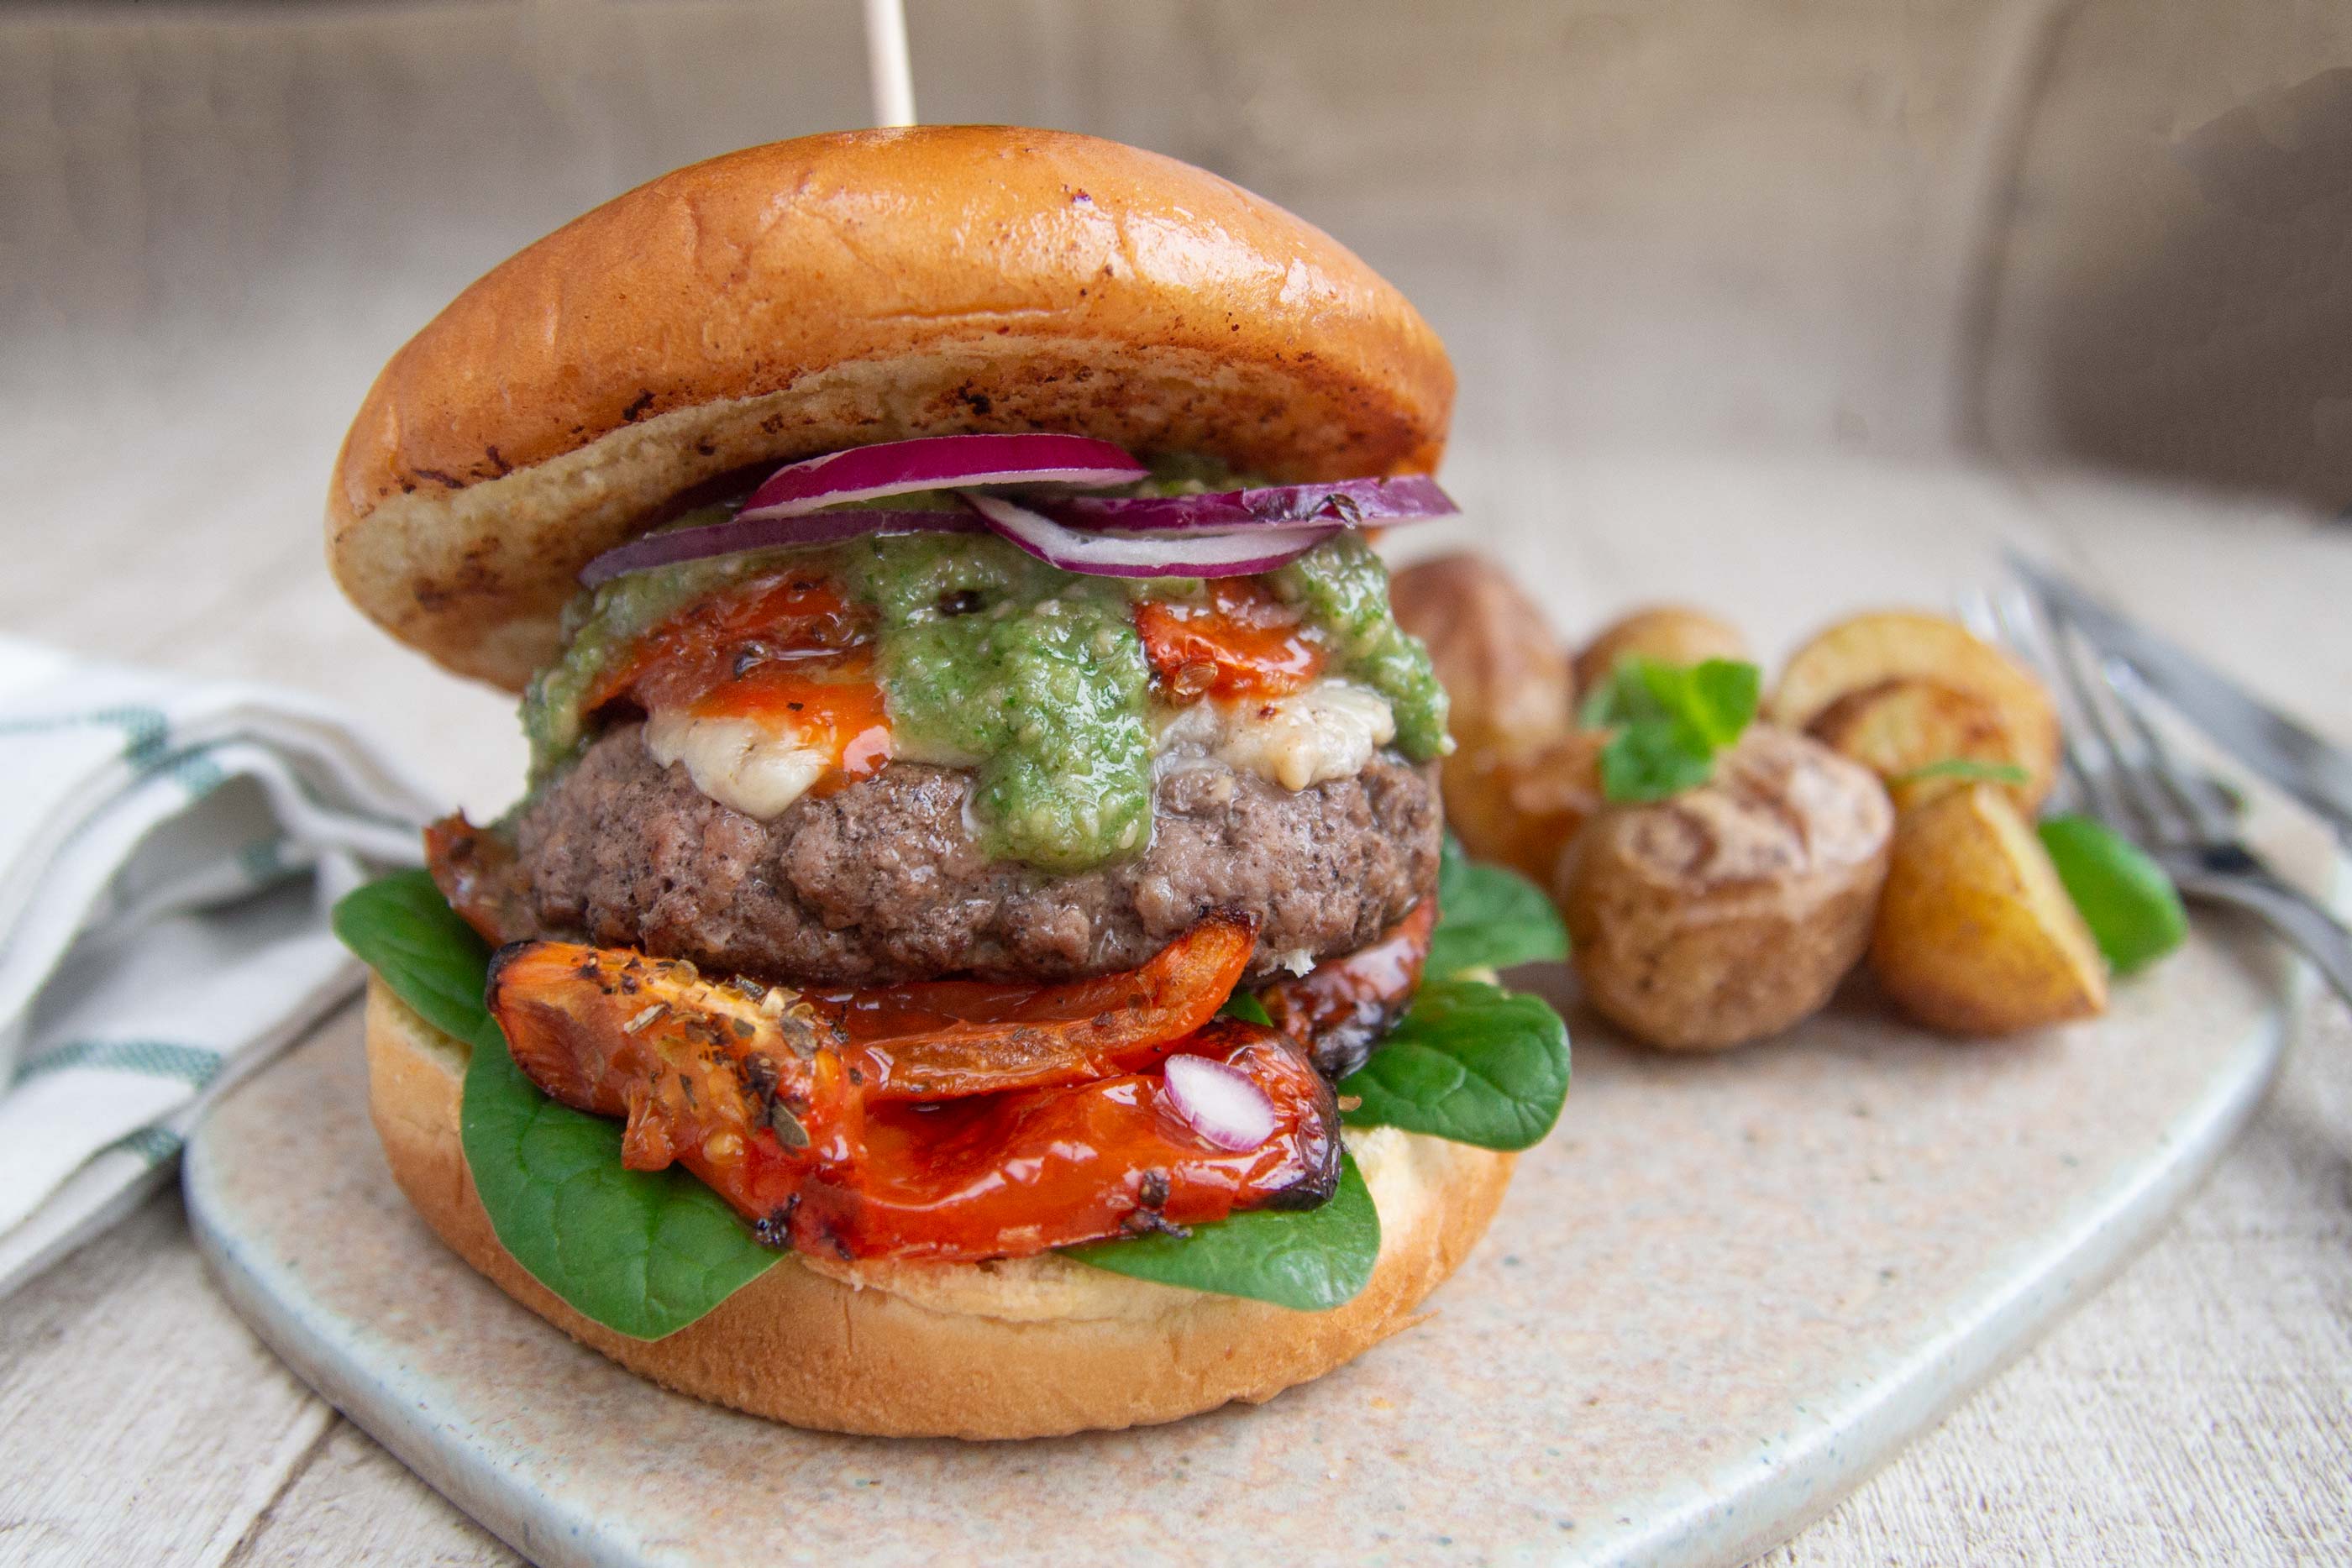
1670 720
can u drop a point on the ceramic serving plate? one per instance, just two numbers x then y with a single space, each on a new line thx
1722 1292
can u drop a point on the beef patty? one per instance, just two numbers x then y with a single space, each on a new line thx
882 881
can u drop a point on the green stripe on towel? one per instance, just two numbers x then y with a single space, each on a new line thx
153 1144
144 729
152 1058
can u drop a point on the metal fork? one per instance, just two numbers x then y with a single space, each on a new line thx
2120 770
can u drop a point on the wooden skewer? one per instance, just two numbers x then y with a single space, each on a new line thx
887 62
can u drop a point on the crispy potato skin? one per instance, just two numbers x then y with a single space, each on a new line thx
1672 634
1975 934
1899 726
1729 912
1870 651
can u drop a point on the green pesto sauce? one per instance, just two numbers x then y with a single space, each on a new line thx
1033 677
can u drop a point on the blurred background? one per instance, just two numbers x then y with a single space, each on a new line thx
2083 232
1727 283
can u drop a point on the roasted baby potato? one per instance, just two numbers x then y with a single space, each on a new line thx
1520 807
1872 649
1671 633
1976 934
1731 911
1898 727
1520 781
1501 663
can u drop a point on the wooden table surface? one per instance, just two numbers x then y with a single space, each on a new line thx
218 220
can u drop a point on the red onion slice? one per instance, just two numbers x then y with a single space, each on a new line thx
767 533
1352 502
1220 1102
1199 554
939 462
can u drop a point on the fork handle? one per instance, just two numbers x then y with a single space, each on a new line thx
2295 916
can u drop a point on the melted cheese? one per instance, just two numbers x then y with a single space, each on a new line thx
1330 729
753 768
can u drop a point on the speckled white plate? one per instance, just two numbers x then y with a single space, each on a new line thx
1723 1293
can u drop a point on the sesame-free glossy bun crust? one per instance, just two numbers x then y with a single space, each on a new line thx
835 292
1024 1348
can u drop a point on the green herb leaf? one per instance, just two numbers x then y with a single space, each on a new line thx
1244 1006
1670 720
1307 1260
1969 768
1470 1062
1489 918
2129 903
1719 698
1651 762
403 929
643 1253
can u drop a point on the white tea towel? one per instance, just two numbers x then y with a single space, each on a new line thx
169 851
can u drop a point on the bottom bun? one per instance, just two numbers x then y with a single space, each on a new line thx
1029 1347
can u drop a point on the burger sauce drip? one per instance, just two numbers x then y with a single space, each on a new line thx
1236 641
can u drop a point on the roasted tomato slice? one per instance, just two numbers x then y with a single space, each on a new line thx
478 874
787 651
943 1039
1237 640
1009 1175
758 1093
795 618
1341 1008
692 1064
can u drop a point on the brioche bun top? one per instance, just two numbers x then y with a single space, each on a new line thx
835 292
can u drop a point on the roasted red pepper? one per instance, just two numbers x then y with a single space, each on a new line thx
1043 1124
786 649
1341 1008
1237 640
942 1040
1009 1175
475 872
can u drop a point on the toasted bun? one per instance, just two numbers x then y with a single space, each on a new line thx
1028 1348
835 292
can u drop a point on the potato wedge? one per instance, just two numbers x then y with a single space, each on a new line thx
1501 663
1976 934
1889 645
1730 911
1520 808
1896 728
1675 633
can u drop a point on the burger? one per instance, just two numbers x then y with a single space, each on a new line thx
969 957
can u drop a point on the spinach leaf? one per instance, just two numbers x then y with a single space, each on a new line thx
1670 720
1471 1063
1489 918
1307 1260
403 929
1244 1006
643 1253
2131 907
